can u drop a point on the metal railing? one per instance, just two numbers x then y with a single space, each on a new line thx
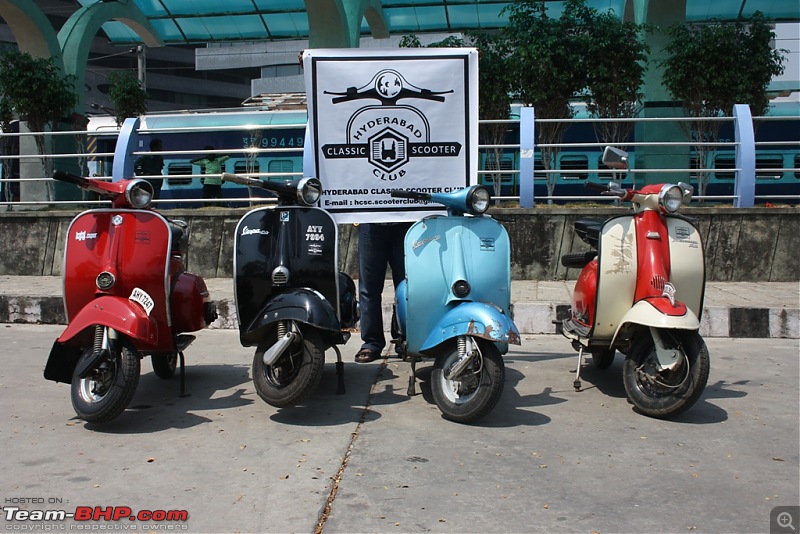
525 174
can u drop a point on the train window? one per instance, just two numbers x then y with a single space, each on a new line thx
797 165
723 161
773 162
243 167
281 165
538 167
506 164
179 169
574 162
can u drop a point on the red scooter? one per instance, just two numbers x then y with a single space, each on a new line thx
640 291
127 294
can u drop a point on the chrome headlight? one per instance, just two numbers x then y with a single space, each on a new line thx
478 200
670 198
139 193
105 281
308 191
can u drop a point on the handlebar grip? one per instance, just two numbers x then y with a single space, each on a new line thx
595 186
63 176
243 180
405 193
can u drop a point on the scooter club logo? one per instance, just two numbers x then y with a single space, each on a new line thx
388 135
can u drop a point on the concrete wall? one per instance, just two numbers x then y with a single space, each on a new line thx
747 245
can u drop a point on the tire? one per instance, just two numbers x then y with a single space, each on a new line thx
603 359
667 393
164 365
296 374
107 391
468 400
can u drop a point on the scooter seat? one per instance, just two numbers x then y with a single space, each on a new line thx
589 230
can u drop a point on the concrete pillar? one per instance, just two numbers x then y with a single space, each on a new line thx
658 102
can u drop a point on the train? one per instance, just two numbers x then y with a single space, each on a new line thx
269 143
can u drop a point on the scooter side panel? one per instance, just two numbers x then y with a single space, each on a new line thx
687 263
442 250
616 283
133 245
304 240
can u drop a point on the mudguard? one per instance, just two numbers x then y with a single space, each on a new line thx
477 319
118 313
302 305
649 313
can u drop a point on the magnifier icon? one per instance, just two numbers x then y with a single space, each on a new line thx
785 520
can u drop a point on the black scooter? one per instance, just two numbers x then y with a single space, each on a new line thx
292 302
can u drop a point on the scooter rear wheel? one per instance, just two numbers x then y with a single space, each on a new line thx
164 365
470 398
107 391
295 375
666 393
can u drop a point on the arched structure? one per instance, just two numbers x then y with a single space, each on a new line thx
337 23
31 29
75 37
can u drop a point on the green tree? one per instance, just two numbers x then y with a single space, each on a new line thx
548 67
494 88
35 91
711 67
127 95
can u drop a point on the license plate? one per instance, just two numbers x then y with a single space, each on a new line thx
141 297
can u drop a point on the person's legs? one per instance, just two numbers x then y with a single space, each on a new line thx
397 261
372 261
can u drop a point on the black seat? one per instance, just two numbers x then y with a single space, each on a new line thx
589 230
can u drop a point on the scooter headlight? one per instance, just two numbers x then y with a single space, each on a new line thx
478 199
308 191
670 198
461 289
139 193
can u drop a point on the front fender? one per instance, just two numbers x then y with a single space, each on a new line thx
302 305
477 319
650 313
114 312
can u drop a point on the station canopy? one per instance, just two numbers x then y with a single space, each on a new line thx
202 21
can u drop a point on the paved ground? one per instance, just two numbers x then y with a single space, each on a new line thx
547 459
744 309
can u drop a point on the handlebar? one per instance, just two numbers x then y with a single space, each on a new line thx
63 176
406 193
608 189
242 180
596 186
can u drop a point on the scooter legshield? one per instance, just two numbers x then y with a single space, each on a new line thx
651 313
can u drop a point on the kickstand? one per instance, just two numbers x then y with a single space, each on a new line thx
412 379
339 372
577 383
183 375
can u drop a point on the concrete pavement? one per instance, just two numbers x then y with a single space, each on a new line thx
731 309
547 459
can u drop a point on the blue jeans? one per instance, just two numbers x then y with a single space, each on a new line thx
379 245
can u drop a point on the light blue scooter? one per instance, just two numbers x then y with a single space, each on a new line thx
454 302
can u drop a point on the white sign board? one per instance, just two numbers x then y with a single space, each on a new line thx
390 119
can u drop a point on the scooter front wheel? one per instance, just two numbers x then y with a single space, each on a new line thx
666 393
295 375
475 392
108 389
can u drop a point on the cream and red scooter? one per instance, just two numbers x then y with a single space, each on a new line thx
640 291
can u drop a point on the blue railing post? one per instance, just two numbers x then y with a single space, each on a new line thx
127 143
745 186
526 133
